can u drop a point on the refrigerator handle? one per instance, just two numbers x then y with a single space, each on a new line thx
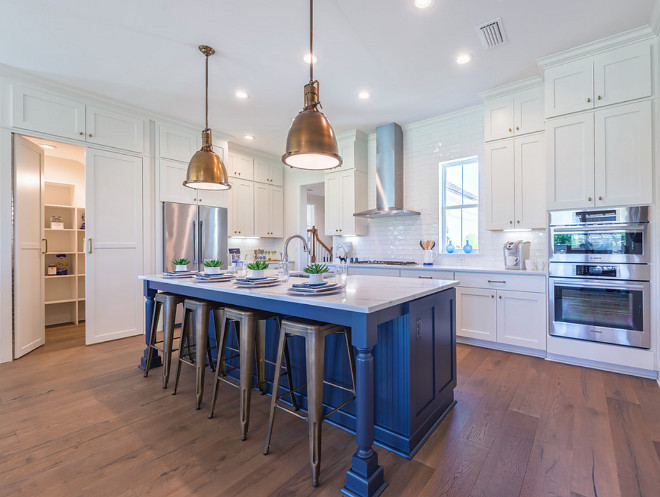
201 241
194 248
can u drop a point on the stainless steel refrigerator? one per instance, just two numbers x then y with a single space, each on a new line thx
194 232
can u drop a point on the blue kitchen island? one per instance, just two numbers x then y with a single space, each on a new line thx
404 335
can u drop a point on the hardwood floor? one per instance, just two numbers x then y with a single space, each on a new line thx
79 421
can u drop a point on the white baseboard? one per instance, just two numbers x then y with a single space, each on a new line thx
501 346
605 366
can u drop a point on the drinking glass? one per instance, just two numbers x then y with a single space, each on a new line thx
241 269
341 274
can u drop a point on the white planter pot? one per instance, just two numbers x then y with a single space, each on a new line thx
212 270
315 279
181 267
258 273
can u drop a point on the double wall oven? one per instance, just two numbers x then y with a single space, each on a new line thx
599 275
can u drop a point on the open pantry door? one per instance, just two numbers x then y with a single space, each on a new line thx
113 248
29 327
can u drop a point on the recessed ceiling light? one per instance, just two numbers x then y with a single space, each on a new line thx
306 58
249 137
464 58
423 4
364 95
242 94
47 147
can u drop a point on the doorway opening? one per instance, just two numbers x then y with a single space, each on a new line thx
319 242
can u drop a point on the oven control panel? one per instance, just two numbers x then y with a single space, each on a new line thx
590 270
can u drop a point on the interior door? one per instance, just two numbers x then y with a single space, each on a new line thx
114 246
29 327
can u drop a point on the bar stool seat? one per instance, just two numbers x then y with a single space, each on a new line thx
196 316
250 327
168 301
314 334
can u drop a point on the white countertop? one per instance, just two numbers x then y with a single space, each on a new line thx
362 294
470 269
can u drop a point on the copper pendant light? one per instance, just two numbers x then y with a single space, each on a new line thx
206 170
311 143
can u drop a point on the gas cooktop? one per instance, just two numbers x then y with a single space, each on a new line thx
389 263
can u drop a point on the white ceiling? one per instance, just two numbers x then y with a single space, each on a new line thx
145 53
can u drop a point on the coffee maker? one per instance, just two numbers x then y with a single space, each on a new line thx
515 254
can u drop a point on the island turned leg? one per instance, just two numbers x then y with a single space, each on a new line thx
149 295
365 478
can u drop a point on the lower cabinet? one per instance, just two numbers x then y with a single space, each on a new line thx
504 316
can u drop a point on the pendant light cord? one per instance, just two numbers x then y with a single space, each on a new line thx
207 92
311 40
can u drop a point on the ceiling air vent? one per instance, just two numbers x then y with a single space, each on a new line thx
492 33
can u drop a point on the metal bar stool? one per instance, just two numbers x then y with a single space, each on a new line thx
250 327
196 316
314 334
168 301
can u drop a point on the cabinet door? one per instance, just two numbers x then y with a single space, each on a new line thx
240 166
261 171
624 155
530 182
332 203
528 110
622 74
178 143
498 118
242 207
570 162
347 203
277 173
569 88
48 112
521 319
172 176
262 215
113 262
277 212
499 181
476 313
114 129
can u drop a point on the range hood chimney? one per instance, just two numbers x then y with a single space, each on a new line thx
389 174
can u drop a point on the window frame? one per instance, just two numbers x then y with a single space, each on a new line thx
473 159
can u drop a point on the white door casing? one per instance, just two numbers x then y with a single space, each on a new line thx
114 246
29 312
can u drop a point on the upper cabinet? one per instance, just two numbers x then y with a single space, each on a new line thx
610 77
241 211
345 194
352 147
240 166
602 158
514 114
55 114
177 142
268 171
268 210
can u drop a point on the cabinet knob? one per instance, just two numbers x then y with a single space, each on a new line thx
518 221
492 296
82 133
509 130
500 297
91 135
589 199
517 128
510 222
600 198
588 100
599 97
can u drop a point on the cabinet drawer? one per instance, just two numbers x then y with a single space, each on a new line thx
518 282
373 271
427 274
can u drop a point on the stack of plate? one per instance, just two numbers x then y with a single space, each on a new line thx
313 290
211 278
256 282
179 274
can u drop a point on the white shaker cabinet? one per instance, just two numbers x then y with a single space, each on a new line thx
476 313
240 166
266 171
268 211
613 76
521 319
601 158
172 174
512 115
114 129
515 183
345 194
178 143
241 214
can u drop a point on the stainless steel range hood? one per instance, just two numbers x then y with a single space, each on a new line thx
389 174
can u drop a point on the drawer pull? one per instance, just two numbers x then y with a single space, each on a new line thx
425 277
496 281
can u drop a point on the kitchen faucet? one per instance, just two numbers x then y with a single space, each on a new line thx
286 247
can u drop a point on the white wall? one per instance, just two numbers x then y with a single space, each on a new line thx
57 170
426 144
319 216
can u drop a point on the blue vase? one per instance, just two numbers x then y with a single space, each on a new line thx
467 248
449 248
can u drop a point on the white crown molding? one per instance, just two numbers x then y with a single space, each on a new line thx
516 86
598 46
352 134
253 152
475 109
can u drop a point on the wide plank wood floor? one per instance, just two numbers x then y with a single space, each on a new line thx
80 421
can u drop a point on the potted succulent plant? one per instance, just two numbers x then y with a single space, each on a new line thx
212 266
181 264
316 272
258 268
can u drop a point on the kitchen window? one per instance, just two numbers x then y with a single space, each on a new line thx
459 204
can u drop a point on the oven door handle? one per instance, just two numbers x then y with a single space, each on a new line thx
601 229
606 284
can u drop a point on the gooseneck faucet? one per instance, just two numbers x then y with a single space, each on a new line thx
286 246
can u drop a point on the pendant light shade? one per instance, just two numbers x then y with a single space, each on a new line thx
311 142
206 170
